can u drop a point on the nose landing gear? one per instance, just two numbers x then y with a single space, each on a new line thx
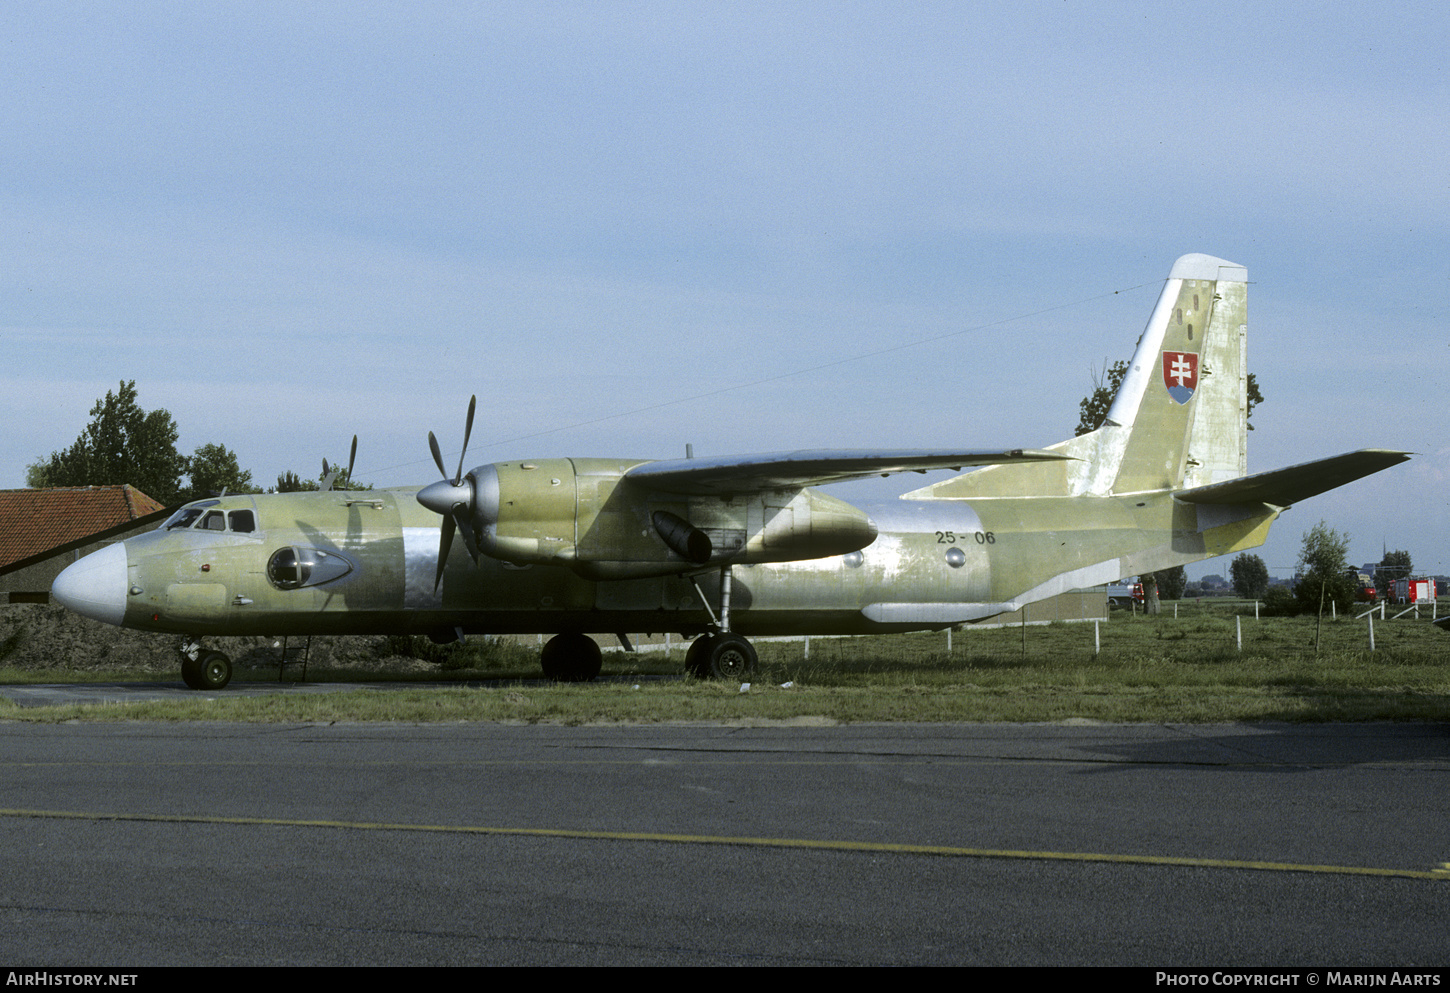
204 670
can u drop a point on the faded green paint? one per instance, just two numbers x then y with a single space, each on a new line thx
576 544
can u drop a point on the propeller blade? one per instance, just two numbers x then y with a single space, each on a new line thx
352 457
450 498
437 455
467 431
328 475
443 547
460 515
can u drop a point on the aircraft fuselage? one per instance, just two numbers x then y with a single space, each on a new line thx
365 561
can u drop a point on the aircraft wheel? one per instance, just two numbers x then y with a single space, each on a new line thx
571 658
731 657
214 671
191 672
697 656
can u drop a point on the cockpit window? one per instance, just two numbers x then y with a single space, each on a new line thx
183 518
199 517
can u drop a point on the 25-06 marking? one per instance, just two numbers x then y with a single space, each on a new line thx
950 537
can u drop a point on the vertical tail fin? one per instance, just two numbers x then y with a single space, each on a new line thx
1181 415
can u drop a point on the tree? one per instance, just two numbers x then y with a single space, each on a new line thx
1151 603
290 482
213 469
1171 582
1323 576
1093 409
1253 398
1395 565
122 444
1250 576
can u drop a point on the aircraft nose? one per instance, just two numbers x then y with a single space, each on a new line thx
95 587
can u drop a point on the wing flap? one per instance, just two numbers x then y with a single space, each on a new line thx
792 470
1284 487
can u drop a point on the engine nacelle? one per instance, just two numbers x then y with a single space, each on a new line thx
585 514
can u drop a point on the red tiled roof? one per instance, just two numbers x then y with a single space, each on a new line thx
32 521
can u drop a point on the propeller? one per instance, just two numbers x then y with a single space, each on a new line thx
329 473
452 498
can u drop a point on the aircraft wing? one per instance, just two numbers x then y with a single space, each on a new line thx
787 470
1284 487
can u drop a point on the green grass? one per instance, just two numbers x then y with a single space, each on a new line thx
1161 670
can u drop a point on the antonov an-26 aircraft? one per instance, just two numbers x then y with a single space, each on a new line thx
726 548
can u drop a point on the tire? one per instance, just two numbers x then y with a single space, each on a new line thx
191 672
732 657
697 657
571 658
214 671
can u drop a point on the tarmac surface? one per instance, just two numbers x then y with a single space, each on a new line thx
461 844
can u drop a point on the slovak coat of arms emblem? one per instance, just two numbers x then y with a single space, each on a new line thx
1180 374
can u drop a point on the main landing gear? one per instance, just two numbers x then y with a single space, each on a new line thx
571 658
720 654
204 670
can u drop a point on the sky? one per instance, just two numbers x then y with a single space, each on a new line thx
748 227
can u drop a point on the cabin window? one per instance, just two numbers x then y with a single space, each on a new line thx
214 521
242 521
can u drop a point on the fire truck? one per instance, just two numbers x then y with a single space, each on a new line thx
1414 590
1125 594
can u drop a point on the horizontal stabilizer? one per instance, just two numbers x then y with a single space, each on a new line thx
787 470
1285 487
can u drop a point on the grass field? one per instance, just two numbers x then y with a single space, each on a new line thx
1156 670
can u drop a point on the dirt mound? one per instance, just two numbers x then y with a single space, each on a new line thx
47 636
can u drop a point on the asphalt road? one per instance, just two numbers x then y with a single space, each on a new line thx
214 844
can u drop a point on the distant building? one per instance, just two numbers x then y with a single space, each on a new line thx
43 531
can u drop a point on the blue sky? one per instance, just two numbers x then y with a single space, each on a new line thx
629 226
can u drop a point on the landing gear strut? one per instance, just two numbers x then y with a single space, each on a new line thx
721 654
204 670
571 658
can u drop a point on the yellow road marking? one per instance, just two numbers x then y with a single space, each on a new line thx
705 839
